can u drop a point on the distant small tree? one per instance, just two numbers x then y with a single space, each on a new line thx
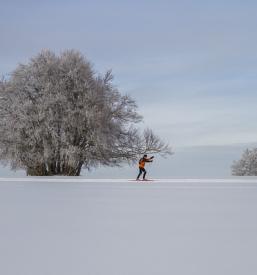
247 165
57 116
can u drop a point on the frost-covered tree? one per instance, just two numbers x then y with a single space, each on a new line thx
247 165
57 116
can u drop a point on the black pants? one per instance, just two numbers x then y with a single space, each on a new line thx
141 170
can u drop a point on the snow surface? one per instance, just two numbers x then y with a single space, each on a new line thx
51 226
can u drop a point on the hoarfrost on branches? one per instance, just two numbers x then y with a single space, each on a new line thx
247 165
58 116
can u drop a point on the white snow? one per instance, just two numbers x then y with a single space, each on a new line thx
52 226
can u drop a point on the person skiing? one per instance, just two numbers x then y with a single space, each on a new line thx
141 165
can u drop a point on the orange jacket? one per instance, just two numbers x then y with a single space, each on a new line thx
142 162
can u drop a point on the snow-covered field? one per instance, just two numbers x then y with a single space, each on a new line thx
74 226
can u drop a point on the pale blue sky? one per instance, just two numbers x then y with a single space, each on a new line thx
190 65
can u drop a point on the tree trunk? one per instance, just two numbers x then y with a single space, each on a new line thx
54 169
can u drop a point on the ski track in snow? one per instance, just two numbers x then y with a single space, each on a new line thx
86 180
61 225
156 183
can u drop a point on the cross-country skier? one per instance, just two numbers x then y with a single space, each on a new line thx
141 165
